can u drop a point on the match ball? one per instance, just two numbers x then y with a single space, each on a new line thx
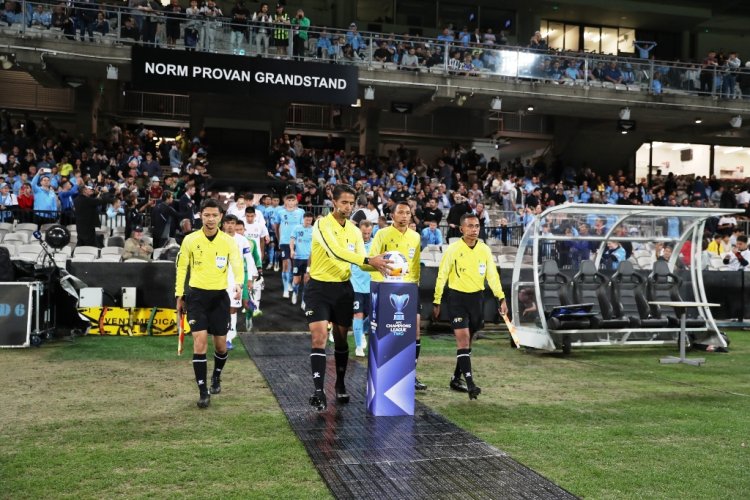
398 267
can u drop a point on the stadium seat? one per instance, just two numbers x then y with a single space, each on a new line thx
26 226
115 241
591 286
629 299
664 285
11 248
6 226
16 238
2 234
67 251
555 288
85 250
114 250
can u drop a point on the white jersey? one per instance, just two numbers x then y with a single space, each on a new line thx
256 231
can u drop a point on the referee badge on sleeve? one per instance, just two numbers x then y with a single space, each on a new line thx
482 268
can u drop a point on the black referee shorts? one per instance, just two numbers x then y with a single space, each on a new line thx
466 310
208 310
329 301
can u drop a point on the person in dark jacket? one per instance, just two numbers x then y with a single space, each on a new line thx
86 209
162 217
454 216
187 206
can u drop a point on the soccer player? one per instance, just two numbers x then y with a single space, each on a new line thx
254 277
361 283
300 244
208 254
235 304
287 217
337 244
466 265
257 232
398 237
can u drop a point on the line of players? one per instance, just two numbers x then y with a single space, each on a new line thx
296 235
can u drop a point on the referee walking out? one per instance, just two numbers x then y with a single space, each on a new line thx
336 245
208 254
466 265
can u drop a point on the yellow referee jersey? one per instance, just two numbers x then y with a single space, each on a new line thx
466 270
334 249
390 239
209 262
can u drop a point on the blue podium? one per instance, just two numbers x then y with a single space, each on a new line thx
391 366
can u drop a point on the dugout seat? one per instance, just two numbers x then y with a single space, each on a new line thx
664 285
555 289
629 298
591 286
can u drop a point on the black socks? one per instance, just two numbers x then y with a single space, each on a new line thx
318 365
463 362
219 362
199 367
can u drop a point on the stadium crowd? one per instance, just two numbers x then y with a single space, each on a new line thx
150 182
270 30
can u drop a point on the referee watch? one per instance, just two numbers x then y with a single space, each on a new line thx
366 262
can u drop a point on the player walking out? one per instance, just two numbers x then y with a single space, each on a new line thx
467 264
398 237
336 245
300 245
361 283
287 217
208 254
249 270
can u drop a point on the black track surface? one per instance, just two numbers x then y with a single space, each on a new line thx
360 456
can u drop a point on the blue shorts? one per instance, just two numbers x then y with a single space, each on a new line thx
299 267
362 303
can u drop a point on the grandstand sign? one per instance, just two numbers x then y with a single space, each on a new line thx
284 80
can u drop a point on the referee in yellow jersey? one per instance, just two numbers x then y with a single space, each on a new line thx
398 237
208 254
466 265
336 245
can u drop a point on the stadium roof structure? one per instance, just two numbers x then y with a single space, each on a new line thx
553 232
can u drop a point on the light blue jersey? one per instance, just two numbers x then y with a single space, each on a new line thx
302 241
287 220
361 279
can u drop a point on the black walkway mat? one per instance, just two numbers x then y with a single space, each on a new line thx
360 456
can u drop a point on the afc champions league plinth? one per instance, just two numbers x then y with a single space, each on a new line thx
392 358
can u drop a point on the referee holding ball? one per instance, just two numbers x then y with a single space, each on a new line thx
208 253
466 265
336 245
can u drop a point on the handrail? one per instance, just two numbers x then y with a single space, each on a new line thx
218 34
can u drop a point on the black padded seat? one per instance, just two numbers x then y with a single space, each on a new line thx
664 285
591 286
629 298
555 288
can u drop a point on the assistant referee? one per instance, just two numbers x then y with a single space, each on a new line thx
466 265
336 245
208 254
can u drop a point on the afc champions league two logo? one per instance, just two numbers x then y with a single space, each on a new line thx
399 304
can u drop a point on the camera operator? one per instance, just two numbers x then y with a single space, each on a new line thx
86 208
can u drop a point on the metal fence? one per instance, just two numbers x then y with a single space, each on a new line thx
202 31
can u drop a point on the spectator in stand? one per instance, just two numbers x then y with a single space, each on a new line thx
460 208
211 26
446 36
86 207
129 31
173 14
46 203
163 217
719 246
187 207
150 167
41 18
409 61
101 25
281 31
613 74
262 20
113 210
8 203
85 14
323 47
537 42
729 75
192 26
155 190
240 16
656 84
383 54
61 20
26 203
136 247
301 25
355 40
739 258
68 191
431 235
489 38
708 72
